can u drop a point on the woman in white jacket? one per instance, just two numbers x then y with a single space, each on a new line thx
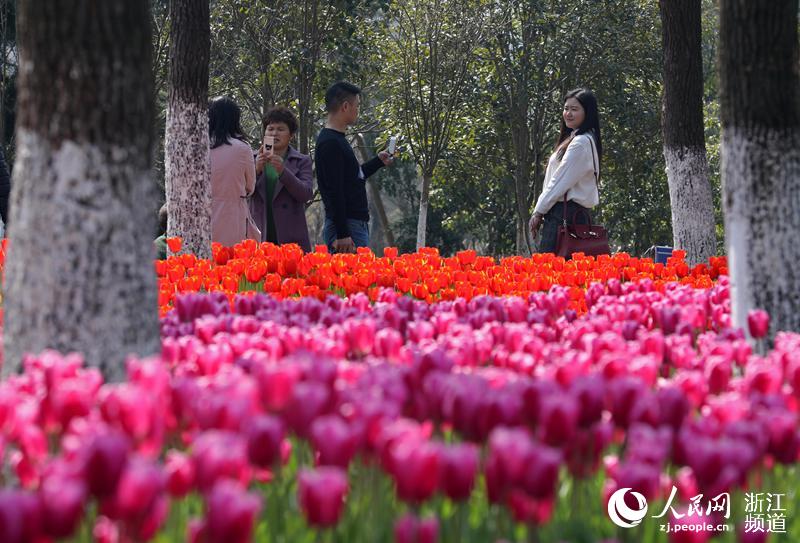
573 170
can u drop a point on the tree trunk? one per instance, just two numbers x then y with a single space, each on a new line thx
760 113
422 223
186 164
79 273
691 202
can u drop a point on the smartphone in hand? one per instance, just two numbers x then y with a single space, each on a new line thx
269 142
392 147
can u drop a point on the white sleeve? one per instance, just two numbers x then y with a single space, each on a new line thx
576 164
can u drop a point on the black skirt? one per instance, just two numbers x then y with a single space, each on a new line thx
554 218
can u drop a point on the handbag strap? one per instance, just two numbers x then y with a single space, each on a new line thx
596 181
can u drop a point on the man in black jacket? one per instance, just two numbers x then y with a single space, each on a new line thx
341 180
5 188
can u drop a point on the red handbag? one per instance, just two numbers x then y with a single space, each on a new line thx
589 239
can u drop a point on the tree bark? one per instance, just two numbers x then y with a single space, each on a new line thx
759 89
188 186
79 273
422 223
691 201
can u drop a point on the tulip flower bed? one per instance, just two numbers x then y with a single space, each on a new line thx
285 271
379 417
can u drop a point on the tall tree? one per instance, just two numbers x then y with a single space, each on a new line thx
760 110
691 200
432 45
79 273
186 143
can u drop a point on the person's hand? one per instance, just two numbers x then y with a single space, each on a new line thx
386 158
261 160
277 163
344 245
535 223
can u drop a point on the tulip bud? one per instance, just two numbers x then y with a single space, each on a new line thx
321 493
459 467
264 437
334 440
219 454
230 514
309 401
179 471
758 323
106 457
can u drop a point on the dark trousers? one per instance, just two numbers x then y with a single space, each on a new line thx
554 218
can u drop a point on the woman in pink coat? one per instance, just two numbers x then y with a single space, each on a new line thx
233 175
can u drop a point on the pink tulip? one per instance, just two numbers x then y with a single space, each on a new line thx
219 454
758 323
558 419
105 530
409 529
179 472
20 516
416 467
231 514
105 459
321 494
63 498
309 401
141 484
334 441
540 475
458 470
264 437
276 384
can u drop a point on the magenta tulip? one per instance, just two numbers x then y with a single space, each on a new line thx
758 323
231 514
179 472
321 494
334 440
265 434
458 470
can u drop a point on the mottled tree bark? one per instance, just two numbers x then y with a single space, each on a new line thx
759 90
424 202
79 273
186 143
691 202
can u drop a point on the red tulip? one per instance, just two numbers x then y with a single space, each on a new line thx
265 434
459 467
231 513
321 493
758 323
334 440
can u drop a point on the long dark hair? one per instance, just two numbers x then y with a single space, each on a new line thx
590 125
224 122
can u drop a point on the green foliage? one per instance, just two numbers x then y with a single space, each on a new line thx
527 54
